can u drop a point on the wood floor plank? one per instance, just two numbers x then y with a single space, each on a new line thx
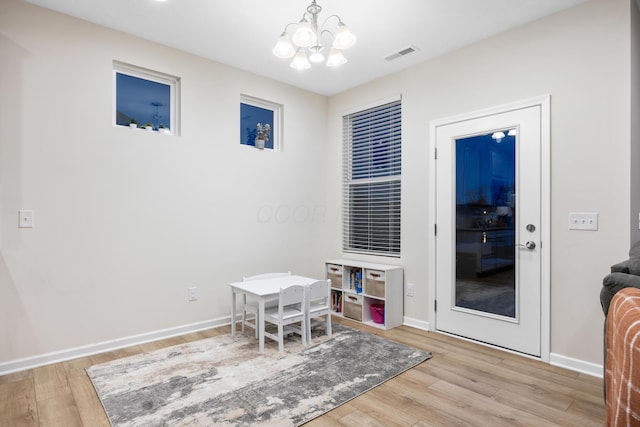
384 409
18 406
87 402
458 374
214 332
556 416
157 345
495 413
121 352
16 376
77 367
429 405
538 368
589 379
360 419
590 410
408 409
59 410
50 381
331 418
537 390
325 421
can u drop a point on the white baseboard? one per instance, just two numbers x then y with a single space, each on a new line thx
577 365
416 323
101 347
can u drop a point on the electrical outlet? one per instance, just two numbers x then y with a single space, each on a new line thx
193 294
409 289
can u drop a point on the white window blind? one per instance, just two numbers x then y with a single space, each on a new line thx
372 180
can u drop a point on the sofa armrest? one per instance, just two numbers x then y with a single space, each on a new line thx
621 267
612 283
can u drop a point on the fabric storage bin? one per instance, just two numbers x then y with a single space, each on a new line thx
353 307
374 284
377 313
334 273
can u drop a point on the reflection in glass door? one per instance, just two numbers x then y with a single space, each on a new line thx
485 226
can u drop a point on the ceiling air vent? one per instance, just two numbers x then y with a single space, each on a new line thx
400 53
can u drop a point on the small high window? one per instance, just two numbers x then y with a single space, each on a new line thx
146 99
260 123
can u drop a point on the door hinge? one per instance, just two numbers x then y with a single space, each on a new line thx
435 153
435 305
435 229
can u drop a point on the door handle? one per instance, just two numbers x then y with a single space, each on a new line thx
529 245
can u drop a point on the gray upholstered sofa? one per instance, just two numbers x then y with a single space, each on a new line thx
625 274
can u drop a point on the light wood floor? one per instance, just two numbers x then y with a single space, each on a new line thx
463 384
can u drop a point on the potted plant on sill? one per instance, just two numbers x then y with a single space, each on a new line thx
133 124
263 135
148 126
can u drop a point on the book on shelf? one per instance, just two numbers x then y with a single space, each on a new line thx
336 301
355 280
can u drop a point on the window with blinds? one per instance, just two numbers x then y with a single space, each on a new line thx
372 185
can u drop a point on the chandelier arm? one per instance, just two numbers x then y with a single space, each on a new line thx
306 16
286 27
329 17
328 32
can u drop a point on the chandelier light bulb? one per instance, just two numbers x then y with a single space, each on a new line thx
300 61
284 48
336 58
316 53
344 37
316 57
304 36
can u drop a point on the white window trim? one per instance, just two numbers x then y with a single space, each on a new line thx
277 117
155 76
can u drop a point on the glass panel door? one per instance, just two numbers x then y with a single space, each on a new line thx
488 215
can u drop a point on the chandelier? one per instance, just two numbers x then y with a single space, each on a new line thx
306 40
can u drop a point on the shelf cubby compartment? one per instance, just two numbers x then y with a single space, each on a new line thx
367 315
336 301
374 284
334 273
353 306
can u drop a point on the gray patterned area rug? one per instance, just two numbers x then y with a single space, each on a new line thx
224 381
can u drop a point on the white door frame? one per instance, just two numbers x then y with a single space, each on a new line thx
545 206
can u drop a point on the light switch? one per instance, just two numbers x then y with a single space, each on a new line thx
25 219
583 221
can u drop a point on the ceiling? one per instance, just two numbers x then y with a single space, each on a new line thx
241 33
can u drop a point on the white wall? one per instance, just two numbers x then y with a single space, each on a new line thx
581 57
126 221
